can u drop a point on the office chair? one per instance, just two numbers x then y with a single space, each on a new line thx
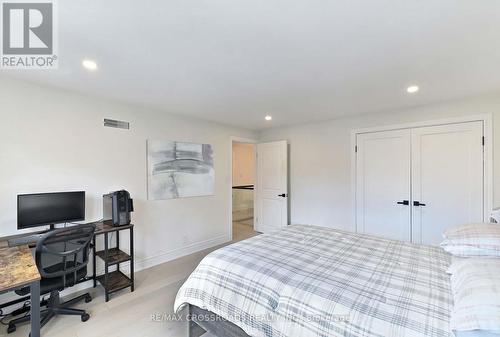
61 257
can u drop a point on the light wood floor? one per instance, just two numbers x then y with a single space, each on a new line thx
243 230
130 314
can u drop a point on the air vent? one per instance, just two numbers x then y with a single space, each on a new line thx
116 124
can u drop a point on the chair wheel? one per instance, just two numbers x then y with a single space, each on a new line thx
11 328
88 299
85 317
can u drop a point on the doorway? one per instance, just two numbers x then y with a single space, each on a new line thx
243 190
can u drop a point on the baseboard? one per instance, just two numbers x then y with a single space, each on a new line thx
170 255
180 252
141 264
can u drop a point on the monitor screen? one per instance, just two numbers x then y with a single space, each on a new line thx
49 208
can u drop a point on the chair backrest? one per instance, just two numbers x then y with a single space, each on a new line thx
62 252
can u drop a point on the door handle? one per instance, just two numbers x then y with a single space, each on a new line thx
283 195
404 202
417 203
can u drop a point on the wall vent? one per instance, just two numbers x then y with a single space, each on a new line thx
116 124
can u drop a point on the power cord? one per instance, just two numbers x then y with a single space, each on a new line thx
23 310
15 312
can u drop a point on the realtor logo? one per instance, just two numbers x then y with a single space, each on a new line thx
28 39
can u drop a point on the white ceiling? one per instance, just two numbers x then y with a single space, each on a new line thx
236 61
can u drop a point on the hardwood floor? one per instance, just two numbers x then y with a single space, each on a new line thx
243 230
130 314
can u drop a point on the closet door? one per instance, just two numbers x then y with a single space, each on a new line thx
447 179
383 184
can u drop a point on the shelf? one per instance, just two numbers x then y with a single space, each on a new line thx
114 256
116 281
104 227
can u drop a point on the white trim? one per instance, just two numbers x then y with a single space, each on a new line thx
352 151
142 264
488 165
173 254
487 120
235 139
169 255
431 122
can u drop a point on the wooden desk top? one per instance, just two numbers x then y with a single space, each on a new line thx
17 268
106 227
101 228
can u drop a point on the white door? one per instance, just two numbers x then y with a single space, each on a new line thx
447 178
383 184
271 193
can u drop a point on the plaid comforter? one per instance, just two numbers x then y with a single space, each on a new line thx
314 281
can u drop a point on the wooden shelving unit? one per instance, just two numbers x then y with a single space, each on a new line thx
115 256
116 281
112 256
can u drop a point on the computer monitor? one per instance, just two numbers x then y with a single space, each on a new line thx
44 209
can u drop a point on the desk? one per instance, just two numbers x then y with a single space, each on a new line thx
111 281
18 269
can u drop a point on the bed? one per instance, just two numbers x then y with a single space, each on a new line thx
315 281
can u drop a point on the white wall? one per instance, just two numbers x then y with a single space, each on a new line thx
54 140
320 158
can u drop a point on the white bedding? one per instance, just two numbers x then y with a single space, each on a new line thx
314 281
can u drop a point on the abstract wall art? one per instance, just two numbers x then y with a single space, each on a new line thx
179 170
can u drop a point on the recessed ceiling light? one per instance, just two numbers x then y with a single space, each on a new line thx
268 118
412 89
89 65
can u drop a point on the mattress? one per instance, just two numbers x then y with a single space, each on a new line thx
315 281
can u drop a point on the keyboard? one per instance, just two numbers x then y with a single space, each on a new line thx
24 240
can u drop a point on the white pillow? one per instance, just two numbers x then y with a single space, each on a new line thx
476 239
477 333
475 283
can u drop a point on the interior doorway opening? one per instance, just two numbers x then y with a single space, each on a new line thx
243 190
